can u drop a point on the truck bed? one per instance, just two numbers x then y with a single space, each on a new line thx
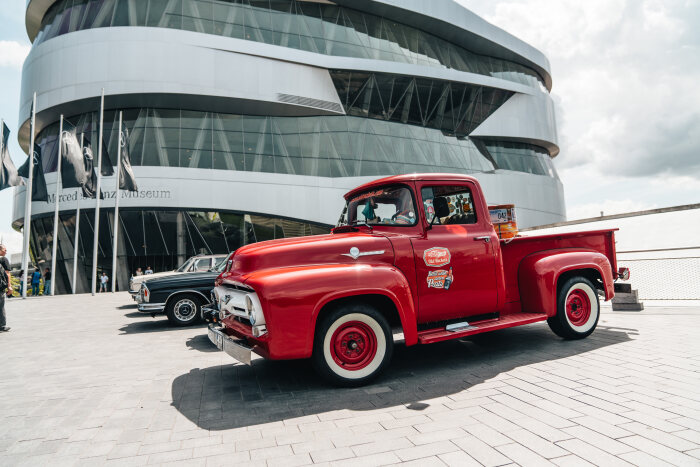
515 250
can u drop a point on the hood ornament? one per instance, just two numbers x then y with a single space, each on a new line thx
356 253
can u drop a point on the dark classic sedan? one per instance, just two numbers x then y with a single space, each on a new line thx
180 296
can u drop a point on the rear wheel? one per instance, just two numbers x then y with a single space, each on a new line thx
184 310
578 309
353 344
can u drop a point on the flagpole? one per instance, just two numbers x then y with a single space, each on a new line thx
54 247
96 236
28 202
78 196
116 207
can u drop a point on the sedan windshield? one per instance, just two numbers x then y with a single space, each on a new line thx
385 206
186 265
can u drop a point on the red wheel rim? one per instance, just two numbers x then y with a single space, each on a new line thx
578 307
353 345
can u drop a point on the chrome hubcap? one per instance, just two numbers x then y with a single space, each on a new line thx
185 309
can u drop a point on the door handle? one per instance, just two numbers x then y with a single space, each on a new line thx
486 238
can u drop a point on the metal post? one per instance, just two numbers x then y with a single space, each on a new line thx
96 237
79 195
28 202
54 247
116 207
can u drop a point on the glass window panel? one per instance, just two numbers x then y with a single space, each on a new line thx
138 10
172 16
121 13
103 17
156 12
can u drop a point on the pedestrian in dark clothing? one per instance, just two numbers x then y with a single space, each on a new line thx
5 286
47 281
21 281
36 282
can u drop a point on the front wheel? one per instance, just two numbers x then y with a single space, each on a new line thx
353 344
183 310
578 309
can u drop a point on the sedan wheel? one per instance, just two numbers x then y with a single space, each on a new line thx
183 310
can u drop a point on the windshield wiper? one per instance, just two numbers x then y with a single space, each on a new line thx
363 222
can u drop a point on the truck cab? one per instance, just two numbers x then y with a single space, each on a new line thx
415 254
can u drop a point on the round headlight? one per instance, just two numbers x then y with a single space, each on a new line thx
250 309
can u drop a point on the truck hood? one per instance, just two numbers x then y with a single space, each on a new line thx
350 248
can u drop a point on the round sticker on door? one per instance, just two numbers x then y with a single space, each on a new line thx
436 257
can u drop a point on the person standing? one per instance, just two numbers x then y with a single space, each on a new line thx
139 272
36 282
5 287
47 281
148 270
21 281
104 279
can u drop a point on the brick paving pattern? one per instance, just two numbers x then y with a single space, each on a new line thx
90 381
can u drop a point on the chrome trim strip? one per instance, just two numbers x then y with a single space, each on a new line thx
357 254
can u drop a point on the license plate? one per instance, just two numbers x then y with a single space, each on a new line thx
220 341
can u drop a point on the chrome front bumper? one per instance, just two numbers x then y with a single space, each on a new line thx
152 307
236 348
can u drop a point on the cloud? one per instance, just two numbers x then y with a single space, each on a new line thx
13 53
625 76
625 82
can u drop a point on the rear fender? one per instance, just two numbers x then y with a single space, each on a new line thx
539 273
293 298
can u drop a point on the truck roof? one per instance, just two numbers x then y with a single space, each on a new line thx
410 178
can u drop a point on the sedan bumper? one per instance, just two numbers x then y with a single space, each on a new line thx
236 348
151 307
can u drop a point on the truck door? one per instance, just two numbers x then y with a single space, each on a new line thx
455 261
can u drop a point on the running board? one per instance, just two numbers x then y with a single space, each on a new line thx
508 321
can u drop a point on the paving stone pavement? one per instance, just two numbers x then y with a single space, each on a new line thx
90 381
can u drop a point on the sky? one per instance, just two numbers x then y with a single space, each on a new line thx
626 77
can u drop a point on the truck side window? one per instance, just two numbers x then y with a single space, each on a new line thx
459 200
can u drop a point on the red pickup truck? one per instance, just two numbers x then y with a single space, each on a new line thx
412 254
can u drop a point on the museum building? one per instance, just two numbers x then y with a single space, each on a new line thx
250 119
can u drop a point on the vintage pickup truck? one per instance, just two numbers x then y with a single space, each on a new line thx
412 254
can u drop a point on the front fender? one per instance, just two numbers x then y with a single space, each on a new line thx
539 272
292 299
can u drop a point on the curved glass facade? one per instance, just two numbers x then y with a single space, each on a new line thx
315 27
328 146
521 157
454 108
161 239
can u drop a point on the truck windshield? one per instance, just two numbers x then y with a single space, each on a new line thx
385 206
